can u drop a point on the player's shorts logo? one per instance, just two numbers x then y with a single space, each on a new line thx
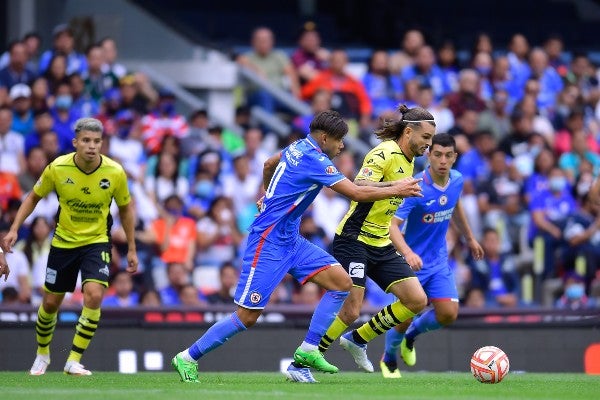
255 297
104 183
443 200
50 275
356 270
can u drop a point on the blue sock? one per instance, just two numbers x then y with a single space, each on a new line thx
216 335
324 314
423 323
393 338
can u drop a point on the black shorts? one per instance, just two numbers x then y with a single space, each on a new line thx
382 264
93 260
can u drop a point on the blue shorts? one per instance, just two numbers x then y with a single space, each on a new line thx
266 263
439 283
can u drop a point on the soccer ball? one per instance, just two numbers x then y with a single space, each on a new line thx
489 364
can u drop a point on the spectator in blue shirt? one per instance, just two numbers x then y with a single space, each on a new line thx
384 89
64 44
549 212
426 72
16 71
495 274
123 296
550 82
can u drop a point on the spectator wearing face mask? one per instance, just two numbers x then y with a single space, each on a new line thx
549 212
574 297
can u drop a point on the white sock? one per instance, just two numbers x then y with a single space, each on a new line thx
308 347
186 356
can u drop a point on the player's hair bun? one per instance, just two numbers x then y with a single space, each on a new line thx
402 109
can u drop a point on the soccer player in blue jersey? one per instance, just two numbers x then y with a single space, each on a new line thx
424 246
292 179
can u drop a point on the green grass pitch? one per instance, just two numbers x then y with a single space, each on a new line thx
254 386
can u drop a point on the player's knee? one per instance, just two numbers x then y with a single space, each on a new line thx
51 305
446 318
346 285
248 317
417 303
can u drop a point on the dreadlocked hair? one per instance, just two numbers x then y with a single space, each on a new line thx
413 117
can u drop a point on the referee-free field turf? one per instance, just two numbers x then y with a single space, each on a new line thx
258 386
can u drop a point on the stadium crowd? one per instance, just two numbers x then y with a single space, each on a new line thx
526 120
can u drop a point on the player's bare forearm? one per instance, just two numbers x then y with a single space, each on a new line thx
397 238
460 219
127 216
24 211
366 182
269 169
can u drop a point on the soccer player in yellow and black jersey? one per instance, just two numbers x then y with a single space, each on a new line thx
362 243
86 182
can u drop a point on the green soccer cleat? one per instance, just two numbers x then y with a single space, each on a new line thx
389 370
188 371
314 359
408 353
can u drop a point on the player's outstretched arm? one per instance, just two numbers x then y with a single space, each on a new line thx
127 216
397 238
269 169
408 187
4 268
460 219
24 211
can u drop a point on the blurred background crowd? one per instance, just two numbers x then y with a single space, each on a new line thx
526 117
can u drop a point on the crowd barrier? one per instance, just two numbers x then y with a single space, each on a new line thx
137 340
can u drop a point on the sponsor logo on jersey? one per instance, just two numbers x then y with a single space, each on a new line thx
255 297
330 170
80 206
104 183
428 218
86 190
104 270
356 270
69 181
366 172
430 202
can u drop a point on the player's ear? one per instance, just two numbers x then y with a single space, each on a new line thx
73 141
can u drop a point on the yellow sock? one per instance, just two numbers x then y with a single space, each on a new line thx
44 330
84 331
384 320
334 331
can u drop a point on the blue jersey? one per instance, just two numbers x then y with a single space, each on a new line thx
303 170
427 218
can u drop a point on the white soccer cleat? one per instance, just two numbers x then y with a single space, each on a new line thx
299 374
40 364
75 368
358 352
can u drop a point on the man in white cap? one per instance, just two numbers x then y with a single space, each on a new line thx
20 100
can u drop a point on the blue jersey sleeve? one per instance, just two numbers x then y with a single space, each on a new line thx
406 207
322 171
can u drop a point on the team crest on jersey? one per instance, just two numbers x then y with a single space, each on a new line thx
255 297
428 218
104 183
366 172
330 170
443 200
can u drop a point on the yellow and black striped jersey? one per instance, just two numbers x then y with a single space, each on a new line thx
370 222
83 215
